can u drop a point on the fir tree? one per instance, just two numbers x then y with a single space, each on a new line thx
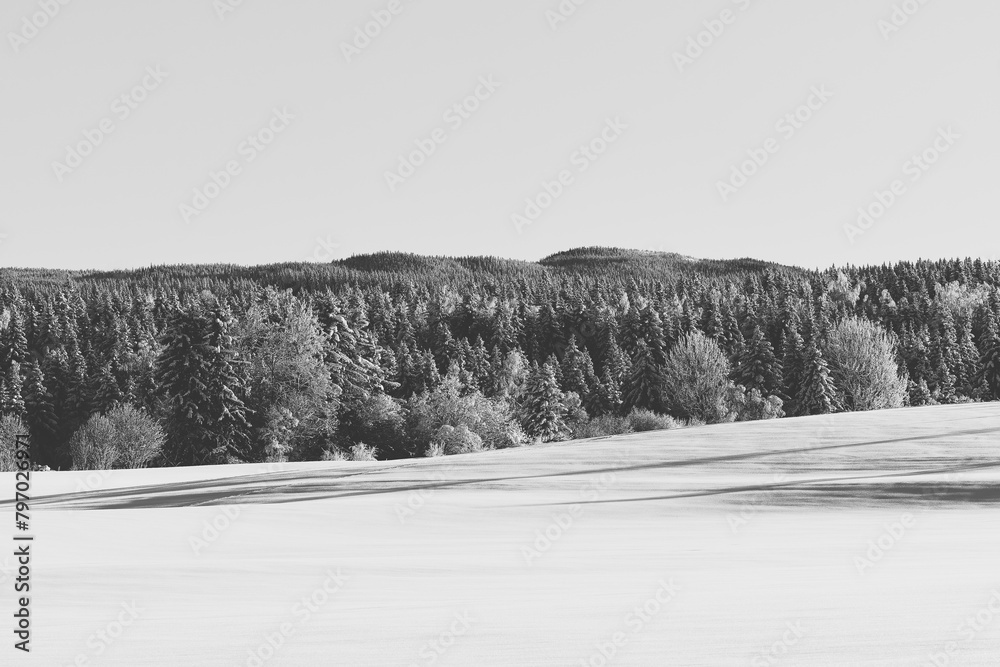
792 369
543 411
12 402
968 375
989 361
577 371
606 398
199 376
644 382
38 404
817 393
757 367
105 391
13 340
918 393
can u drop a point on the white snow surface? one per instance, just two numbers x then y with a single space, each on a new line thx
857 539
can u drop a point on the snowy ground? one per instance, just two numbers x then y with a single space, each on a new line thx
859 539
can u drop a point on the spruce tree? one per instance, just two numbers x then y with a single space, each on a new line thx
643 386
199 376
105 392
757 367
577 371
732 341
989 360
944 358
944 381
38 404
919 394
968 375
12 401
543 412
792 369
817 393
606 398
13 341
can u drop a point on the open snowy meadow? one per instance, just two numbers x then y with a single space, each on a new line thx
855 539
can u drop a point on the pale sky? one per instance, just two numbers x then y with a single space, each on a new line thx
199 80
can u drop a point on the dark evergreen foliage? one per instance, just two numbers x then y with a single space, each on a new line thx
392 325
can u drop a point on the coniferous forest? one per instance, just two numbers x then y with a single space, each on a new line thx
394 355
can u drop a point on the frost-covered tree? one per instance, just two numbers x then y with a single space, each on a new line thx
696 379
817 393
990 361
203 383
862 359
542 409
757 367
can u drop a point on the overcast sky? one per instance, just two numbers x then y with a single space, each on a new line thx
311 121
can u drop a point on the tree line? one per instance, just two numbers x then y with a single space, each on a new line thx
394 355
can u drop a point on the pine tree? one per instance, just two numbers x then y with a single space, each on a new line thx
105 392
731 339
817 394
944 358
38 404
425 373
757 367
919 394
13 340
968 375
12 402
613 359
792 369
643 386
606 398
642 327
479 366
712 320
543 412
197 371
577 371
944 381
989 361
